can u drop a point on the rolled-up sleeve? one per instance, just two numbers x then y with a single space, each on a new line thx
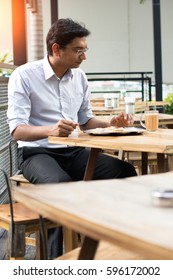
19 105
85 112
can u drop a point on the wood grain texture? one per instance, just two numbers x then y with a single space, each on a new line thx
105 251
160 141
117 211
164 119
98 107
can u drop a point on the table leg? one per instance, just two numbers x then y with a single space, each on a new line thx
89 245
121 154
144 163
17 244
91 164
170 162
88 249
161 165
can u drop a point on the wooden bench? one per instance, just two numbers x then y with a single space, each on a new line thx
19 180
105 251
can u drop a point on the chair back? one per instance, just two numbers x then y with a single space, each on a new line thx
10 203
13 157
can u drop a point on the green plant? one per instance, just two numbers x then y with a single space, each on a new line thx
6 57
168 109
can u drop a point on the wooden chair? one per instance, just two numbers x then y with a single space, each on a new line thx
24 222
16 177
18 180
135 158
19 221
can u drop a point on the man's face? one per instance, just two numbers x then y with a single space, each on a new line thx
74 53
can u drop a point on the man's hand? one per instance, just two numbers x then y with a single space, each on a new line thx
63 128
122 120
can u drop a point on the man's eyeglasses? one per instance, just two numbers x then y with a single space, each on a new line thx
79 51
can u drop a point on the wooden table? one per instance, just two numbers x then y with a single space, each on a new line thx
159 142
164 119
140 106
119 211
101 111
152 103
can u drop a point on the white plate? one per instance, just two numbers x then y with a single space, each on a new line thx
115 131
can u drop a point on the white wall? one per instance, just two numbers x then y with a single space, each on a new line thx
141 51
122 34
6 26
107 21
119 33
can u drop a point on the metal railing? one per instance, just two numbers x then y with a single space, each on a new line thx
142 77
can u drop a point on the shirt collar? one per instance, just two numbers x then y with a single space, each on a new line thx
48 71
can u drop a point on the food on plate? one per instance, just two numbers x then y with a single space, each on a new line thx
108 129
115 130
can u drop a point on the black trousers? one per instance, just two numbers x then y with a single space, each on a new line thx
50 165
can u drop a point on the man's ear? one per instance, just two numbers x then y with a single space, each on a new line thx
56 49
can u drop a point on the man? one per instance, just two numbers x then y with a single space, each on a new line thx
51 97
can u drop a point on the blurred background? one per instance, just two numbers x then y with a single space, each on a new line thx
122 34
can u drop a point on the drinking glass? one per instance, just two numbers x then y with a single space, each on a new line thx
151 120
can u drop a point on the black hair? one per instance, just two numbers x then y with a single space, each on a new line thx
63 31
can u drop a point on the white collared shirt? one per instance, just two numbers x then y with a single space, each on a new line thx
37 97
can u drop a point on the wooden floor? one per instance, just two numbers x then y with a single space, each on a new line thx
30 251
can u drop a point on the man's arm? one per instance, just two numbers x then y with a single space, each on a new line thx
121 120
26 132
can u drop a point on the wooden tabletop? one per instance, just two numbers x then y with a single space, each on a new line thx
164 119
100 103
140 106
114 111
160 141
119 211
